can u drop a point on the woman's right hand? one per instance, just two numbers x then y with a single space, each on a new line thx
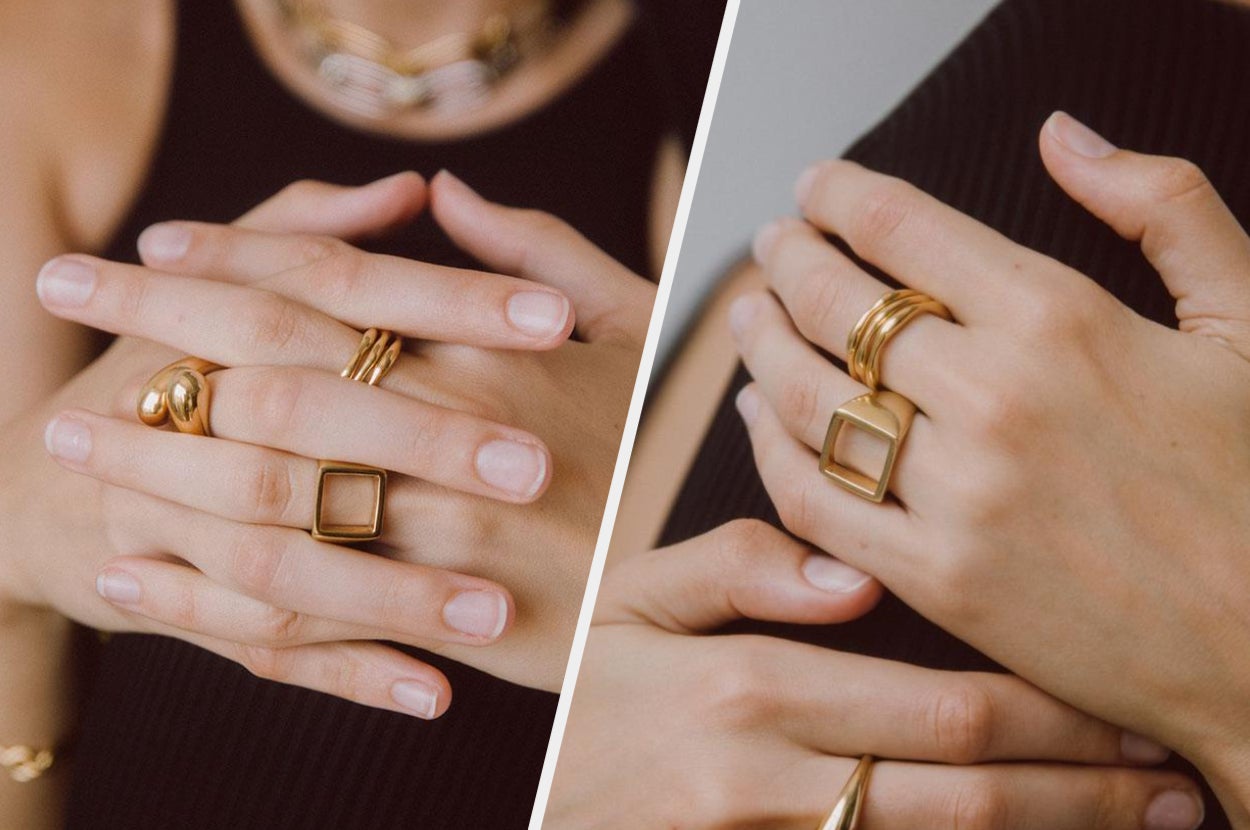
672 728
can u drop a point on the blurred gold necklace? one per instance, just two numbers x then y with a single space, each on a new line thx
373 77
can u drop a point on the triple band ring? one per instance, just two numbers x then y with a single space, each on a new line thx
848 808
886 415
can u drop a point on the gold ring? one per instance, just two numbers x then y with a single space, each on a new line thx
886 415
179 394
850 804
881 322
374 357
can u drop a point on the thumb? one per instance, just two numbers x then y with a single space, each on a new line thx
1186 231
745 569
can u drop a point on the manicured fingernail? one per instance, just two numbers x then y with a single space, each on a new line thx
118 586
419 698
477 613
1174 810
803 187
68 282
765 240
1141 750
538 313
742 311
67 439
164 243
1078 138
748 403
518 468
828 574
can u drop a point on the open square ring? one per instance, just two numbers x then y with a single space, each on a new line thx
348 533
886 415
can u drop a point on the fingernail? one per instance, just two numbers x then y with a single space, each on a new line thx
741 312
538 313
456 183
803 187
118 586
164 243
1174 810
67 440
419 698
66 282
748 403
828 574
1142 750
477 613
518 468
765 240
1078 138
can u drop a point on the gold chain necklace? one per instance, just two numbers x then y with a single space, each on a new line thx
456 73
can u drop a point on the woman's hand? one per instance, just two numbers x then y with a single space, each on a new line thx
1074 499
438 423
670 728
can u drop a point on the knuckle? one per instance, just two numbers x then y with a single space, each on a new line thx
821 296
962 721
427 433
279 627
799 403
795 500
303 189
265 662
741 542
271 323
338 276
134 297
269 489
1179 180
879 215
316 248
275 398
981 804
738 691
257 562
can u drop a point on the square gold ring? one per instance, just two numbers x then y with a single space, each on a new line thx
367 532
884 414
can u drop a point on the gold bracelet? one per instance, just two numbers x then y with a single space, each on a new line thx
25 764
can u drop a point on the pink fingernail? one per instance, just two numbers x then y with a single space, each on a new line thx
828 574
68 440
421 699
164 243
1175 810
118 586
748 404
1142 750
477 613
742 312
803 187
1077 137
518 468
538 313
66 281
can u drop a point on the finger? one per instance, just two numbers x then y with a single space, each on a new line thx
314 207
916 239
609 301
871 537
318 415
416 299
744 569
1168 206
805 389
1016 796
236 481
288 569
228 324
826 294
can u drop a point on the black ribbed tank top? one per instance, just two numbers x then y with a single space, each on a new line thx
1159 76
175 737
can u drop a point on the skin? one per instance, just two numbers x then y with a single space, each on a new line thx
1089 460
729 739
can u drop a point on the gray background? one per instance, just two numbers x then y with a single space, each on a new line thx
804 79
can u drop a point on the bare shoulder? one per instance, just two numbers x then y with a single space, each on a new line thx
81 86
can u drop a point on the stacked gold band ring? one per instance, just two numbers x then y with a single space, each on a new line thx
886 415
374 358
846 811
179 394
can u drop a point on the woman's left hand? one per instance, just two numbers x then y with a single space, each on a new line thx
1074 495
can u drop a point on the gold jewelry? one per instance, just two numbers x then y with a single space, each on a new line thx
179 394
374 357
850 804
886 415
374 77
880 323
24 763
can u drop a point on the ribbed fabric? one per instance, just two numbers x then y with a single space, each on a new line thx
175 737
1159 76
